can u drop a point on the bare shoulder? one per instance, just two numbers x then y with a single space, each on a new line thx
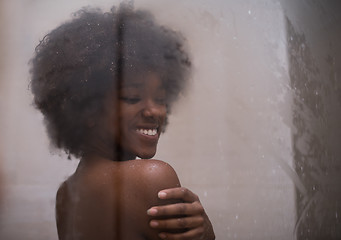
156 173
148 173
100 201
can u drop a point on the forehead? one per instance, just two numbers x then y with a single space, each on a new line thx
148 79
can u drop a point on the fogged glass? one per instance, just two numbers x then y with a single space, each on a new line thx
256 135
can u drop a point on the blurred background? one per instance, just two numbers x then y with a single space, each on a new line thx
257 136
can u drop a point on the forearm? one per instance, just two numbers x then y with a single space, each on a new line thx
193 221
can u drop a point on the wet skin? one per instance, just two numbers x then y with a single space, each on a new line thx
109 200
113 196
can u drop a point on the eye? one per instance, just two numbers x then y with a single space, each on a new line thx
161 100
130 100
160 97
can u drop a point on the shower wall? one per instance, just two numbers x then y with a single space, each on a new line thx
229 137
314 54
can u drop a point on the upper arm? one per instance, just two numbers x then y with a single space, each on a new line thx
156 176
159 175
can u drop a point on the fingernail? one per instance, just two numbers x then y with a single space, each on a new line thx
162 194
162 235
152 211
154 224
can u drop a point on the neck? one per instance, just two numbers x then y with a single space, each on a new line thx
107 150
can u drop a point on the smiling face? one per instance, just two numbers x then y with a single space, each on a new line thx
137 119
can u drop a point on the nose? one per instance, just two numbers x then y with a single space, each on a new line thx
152 109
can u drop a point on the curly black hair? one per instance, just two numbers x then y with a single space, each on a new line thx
76 64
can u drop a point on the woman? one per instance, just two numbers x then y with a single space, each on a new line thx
105 83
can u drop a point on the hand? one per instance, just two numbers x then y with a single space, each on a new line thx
193 224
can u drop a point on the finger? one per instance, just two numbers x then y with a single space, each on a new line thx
177 209
178 223
196 233
178 193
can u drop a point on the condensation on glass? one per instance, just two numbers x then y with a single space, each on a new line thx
257 136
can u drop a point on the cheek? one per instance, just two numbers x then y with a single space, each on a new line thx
166 111
164 121
128 114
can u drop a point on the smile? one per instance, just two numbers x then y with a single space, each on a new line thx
149 132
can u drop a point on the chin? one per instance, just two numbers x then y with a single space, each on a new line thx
146 155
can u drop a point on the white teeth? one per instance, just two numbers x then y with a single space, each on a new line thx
149 132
